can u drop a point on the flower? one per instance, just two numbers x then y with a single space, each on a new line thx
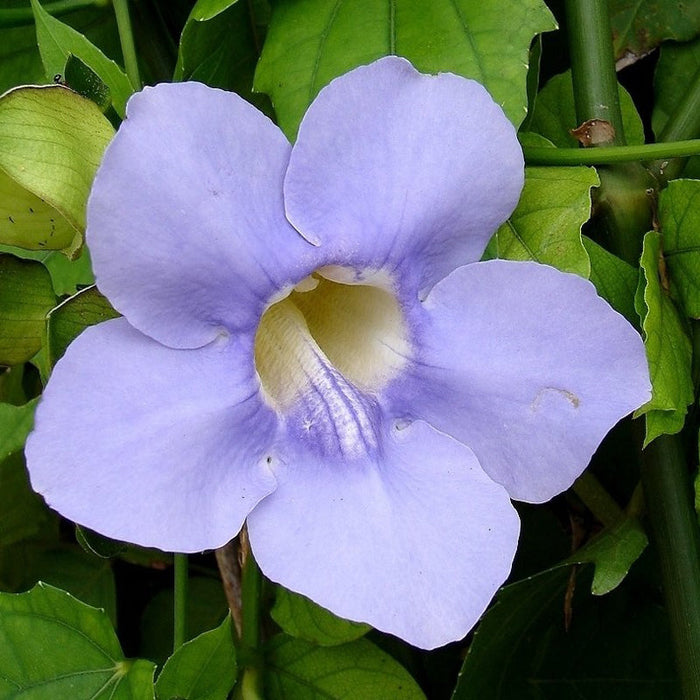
309 343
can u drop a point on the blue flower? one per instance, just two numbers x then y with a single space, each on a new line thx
309 343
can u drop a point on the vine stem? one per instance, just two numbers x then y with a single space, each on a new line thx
180 601
536 155
126 38
251 680
675 534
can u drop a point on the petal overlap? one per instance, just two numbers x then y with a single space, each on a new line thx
415 540
529 367
186 222
413 179
175 458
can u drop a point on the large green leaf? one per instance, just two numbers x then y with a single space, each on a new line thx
22 512
679 216
302 618
219 46
546 224
53 646
667 345
20 61
310 42
201 669
68 320
51 142
614 646
26 296
85 576
15 424
298 670
615 280
58 41
554 114
639 26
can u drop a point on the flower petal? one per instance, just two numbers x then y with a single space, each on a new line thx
527 366
186 223
415 543
393 168
161 447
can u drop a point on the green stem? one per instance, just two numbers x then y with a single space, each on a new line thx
593 64
597 499
250 657
23 16
126 38
675 534
611 155
180 606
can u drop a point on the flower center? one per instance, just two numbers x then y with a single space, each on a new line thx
324 352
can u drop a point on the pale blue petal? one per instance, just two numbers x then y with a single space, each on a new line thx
526 365
164 448
414 541
402 171
186 222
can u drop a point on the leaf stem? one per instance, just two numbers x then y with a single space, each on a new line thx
593 64
126 38
180 605
23 16
230 571
597 499
675 534
251 587
613 154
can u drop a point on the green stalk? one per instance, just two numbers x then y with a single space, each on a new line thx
593 64
23 16
251 680
180 606
675 534
597 499
622 203
611 155
126 38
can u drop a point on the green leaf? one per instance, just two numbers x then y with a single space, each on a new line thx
22 512
667 345
639 26
546 224
676 66
53 646
298 670
206 608
614 279
679 217
219 46
302 618
310 42
70 318
555 113
614 646
26 296
87 83
67 275
51 142
613 552
201 669
85 576
16 423
98 545
58 41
